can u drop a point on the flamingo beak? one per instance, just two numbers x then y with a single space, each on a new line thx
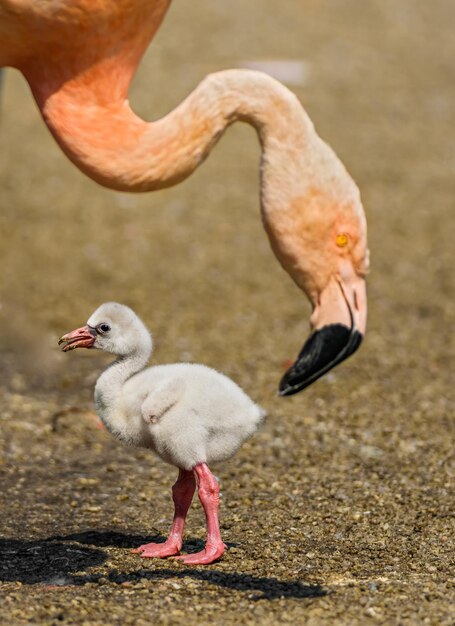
339 320
83 337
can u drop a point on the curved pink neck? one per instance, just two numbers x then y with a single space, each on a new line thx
106 140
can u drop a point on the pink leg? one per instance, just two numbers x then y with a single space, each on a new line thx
209 492
182 494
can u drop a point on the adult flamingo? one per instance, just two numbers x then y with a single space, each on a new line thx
79 57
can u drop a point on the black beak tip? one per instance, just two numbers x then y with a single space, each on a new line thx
324 349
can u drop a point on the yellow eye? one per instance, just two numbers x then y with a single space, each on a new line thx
342 240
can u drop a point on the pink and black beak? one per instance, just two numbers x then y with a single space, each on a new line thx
339 322
83 337
323 349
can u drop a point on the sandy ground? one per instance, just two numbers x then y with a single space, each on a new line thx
340 511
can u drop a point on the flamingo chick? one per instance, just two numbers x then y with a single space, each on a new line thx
189 414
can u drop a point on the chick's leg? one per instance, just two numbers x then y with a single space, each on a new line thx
209 495
182 494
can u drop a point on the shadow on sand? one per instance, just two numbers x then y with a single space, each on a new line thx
44 561
54 561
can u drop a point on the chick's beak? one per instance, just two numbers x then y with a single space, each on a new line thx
83 337
339 322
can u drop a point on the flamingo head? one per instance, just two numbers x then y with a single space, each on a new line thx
113 328
326 254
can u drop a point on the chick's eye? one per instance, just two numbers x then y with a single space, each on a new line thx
103 328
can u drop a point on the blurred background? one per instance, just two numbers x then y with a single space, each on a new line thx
376 78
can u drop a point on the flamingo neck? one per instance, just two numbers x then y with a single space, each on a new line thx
106 140
109 385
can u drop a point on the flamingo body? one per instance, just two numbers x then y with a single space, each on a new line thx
213 416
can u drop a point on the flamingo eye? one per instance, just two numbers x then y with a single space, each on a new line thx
342 240
102 329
